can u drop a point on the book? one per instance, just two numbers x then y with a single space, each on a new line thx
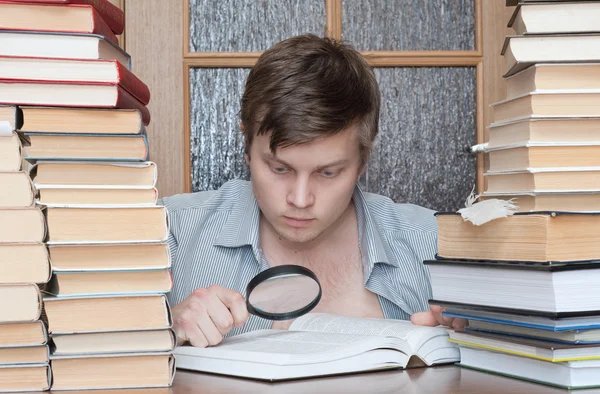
81 120
59 195
532 348
522 51
538 287
22 225
571 337
548 18
106 313
25 377
70 95
16 189
25 303
513 3
110 13
535 236
553 76
24 355
80 283
86 147
93 175
24 263
536 180
319 345
23 334
54 18
548 103
11 154
13 115
61 46
550 201
110 257
106 224
522 156
105 72
112 371
569 375
114 342
520 318
544 129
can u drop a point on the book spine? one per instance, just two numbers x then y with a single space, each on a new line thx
101 28
112 15
130 82
126 100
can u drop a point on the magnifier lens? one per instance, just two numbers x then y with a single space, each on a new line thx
283 292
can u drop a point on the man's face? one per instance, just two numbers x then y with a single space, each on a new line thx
304 189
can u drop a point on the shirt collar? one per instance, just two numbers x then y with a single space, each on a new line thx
373 243
242 228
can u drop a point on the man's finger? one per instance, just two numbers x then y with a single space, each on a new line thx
424 319
235 302
437 313
459 323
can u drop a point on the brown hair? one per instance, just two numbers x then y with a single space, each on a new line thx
305 88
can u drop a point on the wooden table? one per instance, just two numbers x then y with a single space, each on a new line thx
438 380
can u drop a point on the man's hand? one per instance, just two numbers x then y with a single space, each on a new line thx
207 315
433 317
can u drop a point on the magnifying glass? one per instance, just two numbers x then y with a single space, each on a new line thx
283 292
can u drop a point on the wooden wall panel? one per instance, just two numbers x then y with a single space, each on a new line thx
495 17
154 40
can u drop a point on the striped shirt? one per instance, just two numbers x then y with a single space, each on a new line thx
214 239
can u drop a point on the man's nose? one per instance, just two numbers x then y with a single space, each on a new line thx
300 194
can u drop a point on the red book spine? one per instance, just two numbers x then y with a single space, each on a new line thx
126 101
100 27
112 15
130 82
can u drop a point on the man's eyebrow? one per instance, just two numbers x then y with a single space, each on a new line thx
270 156
334 163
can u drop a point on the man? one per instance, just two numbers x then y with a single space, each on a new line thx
309 116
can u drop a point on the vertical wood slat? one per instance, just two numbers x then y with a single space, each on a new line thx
333 11
494 18
480 126
154 39
479 27
187 124
186 29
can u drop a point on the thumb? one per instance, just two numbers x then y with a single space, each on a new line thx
424 319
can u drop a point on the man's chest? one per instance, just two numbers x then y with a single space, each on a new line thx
341 276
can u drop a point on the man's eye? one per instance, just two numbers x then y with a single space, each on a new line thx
279 170
329 174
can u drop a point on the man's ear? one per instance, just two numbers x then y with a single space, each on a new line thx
363 168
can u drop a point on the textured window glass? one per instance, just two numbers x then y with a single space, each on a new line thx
251 25
217 144
404 25
427 120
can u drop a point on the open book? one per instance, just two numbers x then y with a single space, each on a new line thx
322 344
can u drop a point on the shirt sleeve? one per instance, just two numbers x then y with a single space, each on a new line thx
171 240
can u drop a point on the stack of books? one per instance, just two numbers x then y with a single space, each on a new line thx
83 129
23 265
527 283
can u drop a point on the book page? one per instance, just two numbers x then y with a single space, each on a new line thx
414 335
286 347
